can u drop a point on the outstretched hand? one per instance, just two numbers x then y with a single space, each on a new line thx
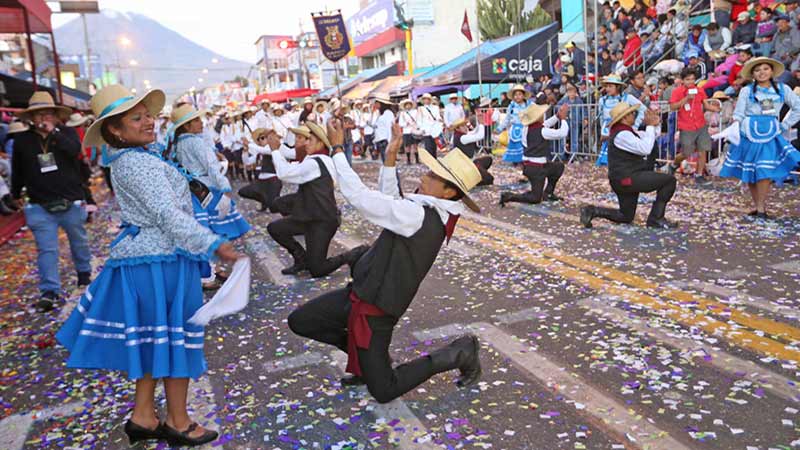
273 140
394 145
335 132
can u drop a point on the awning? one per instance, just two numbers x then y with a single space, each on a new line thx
361 91
19 91
282 96
12 16
502 60
390 85
345 86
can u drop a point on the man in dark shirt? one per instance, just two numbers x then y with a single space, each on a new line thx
745 31
45 163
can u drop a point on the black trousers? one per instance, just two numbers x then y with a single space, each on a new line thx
380 147
484 163
263 191
284 204
318 237
628 194
324 319
550 173
429 144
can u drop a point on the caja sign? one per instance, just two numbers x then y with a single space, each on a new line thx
517 68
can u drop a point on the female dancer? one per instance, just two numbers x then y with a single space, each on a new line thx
134 315
519 103
613 86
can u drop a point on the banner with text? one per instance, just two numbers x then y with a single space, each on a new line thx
332 35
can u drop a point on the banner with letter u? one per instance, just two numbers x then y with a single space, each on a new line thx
332 35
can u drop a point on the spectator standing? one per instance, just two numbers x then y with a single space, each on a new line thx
453 111
638 88
45 163
722 12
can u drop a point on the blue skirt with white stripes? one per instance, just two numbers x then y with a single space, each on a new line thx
133 318
232 226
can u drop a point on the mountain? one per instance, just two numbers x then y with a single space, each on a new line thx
168 60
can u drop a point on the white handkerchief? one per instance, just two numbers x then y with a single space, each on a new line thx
231 298
731 134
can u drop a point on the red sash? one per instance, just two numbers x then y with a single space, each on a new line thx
359 334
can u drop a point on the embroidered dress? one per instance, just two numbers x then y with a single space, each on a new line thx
515 128
200 162
763 152
133 317
607 103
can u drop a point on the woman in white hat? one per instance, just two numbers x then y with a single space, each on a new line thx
134 316
512 123
762 155
429 122
383 125
612 96
408 123
630 170
361 317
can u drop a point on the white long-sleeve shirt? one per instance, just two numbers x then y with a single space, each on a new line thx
475 135
426 116
302 172
383 126
726 40
263 119
548 133
637 143
254 150
403 216
407 120
452 112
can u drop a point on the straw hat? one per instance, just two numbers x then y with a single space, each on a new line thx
184 114
302 131
258 132
406 101
533 114
114 100
427 95
276 107
515 88
720 95
320 103
613 79
457 168
76 120
747 70
334 104
43 100
307 101
17 127
380 98
621 110
485 102
458 123
264 100
319 132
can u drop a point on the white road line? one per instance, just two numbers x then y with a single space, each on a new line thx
734 297
268 260
521 316
293 362
790 266
416 436
534 235
780 385
14 429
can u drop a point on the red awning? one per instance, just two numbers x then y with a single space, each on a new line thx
12 18
282 96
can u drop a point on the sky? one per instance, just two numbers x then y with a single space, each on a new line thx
228 27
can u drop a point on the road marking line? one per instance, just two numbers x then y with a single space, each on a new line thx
790 266
764 325
416 436
14 430
734 297
521 316
533 235
293 362
697 318
268 260
721 360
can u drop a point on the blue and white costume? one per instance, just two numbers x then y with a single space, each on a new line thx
515 128
763 152
133 317
200 162
607 103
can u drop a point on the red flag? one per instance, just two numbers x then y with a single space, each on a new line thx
465 27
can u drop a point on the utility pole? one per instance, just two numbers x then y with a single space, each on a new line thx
88 49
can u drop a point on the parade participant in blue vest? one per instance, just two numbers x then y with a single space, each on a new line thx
314 213
519 103
762 154
359 319
134 316
630 170
613 86
537 161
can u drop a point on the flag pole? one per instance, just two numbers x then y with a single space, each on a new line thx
478 49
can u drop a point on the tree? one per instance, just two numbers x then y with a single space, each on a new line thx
502 18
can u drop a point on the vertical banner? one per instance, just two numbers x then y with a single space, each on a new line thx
332 35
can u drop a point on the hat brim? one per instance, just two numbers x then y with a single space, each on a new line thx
632 108
319 133
77 123
153 100
384 101
539 112
441 171
300 132
618 83
189 118
61 111
777 67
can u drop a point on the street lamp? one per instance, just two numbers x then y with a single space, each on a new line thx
205 70
133 63
124 41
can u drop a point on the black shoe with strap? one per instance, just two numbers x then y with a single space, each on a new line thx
84 279
504 198
138 433
295 268
177 438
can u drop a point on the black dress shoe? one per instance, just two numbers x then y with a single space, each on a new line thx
752 213
294 269
352 380
587 214
47 301
662 224
763 215
84 279
138 433
177 438
504 198
552 198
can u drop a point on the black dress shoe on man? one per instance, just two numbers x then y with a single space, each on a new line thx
47 301
295 268
587 214
662 224
504 197
177 438
138 433
552 198
84 279
352 380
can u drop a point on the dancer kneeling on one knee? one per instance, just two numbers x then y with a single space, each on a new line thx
630 170
360 318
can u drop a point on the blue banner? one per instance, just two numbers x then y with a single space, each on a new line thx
332 35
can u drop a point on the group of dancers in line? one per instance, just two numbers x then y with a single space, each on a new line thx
177 217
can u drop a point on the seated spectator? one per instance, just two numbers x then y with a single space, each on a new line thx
765 31
602 43
617 36
606 61
619 62
646 25
694 44
745 31
744 53
793 12
632 54
786 42
657 48
698 66
717 39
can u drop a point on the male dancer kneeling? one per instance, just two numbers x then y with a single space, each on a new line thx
314 213
537 164
268 186
630 170
360 318
467 140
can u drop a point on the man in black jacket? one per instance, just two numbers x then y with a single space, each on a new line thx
360 318
45 163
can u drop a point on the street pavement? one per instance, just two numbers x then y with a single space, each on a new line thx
618 337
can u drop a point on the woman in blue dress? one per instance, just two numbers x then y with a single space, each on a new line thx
134 316
518 104
762 155
612 86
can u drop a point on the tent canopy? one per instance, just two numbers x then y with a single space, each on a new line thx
345 86
361 90
283 96
12 16
19 90
502 60
395 86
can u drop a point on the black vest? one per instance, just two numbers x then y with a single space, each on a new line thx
622 164
467 149
267 166
388 275
315 200
538 146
